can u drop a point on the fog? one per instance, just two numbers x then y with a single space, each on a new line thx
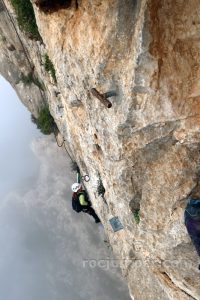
46 249
17 162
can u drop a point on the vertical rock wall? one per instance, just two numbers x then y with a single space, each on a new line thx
146 147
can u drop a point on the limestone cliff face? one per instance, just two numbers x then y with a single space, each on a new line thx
146 147
19 57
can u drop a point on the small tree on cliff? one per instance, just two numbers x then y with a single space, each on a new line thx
45 121
26 18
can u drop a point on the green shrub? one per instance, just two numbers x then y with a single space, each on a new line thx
2 38
49 67
45 121
33 119
26 18
30 78
100 188
74 167
136 215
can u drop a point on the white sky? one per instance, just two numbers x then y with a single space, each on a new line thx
43 243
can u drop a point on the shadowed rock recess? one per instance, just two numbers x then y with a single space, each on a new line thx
145 148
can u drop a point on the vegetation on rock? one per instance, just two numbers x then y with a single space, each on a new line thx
30 78
2 38
136 215
45 121
49 67
74 166
100 188
26 18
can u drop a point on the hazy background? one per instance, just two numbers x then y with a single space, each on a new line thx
17 162
42 241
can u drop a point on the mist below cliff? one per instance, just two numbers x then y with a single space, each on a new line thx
48 251
18 164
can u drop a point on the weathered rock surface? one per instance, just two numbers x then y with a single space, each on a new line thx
146 147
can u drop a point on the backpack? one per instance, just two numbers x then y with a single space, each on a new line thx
192 210
192 222
76 204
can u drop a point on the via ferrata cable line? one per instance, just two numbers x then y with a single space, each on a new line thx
21 42
18 36
85 177
63 143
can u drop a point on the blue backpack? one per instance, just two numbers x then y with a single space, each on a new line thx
192 210
192 222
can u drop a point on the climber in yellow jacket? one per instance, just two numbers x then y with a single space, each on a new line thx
80 201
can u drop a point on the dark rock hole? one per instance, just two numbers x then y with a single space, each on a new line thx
50 6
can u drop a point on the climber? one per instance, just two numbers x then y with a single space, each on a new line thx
192 221
80 201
